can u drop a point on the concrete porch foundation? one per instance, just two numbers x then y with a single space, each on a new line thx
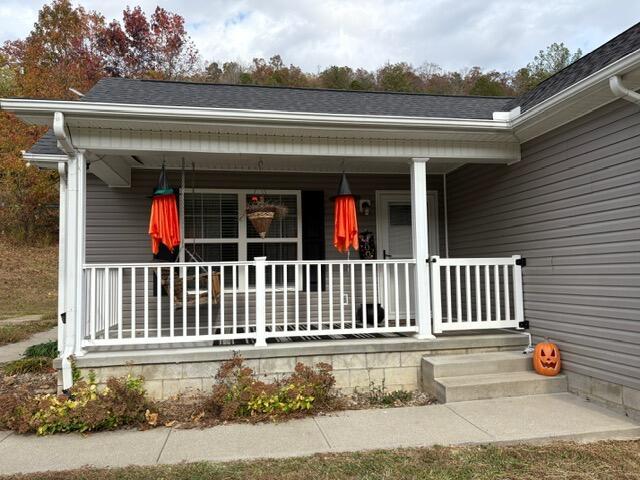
356 363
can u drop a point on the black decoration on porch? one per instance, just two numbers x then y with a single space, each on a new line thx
162 187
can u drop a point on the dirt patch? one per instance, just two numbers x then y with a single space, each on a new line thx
28 279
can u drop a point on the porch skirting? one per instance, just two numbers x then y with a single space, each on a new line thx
356 363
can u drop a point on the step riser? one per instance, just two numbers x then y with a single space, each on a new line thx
503 389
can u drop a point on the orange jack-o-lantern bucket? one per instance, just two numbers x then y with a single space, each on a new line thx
546 359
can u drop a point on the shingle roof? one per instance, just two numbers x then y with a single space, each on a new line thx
615 49
308 100
46 145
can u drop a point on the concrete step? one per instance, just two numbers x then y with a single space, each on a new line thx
496 385
475 364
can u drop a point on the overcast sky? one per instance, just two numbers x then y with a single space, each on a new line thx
494 34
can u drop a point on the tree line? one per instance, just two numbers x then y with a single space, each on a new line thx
69 49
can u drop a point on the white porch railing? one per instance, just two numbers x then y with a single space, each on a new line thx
476 293
156 303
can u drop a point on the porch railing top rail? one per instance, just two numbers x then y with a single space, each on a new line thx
244 262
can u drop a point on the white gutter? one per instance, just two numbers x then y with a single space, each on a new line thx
61 134
620 91
43 109
44 160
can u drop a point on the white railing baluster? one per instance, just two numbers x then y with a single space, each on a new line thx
172 308
467 287
296 294
363 304
234 298
185 285
396 294
273 295
407 293
196 298
448 292
341 296
120 301
107 302
330 279
487 286
478 295
210 295
319 289
92 305
133 302
159 301
145 294
385 285
496 284
352 273
308 295
221 302
458 295
507 299
374 289
285 309
246 299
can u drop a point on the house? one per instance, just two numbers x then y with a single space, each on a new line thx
489 215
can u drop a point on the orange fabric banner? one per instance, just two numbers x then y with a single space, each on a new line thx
345 233
164 226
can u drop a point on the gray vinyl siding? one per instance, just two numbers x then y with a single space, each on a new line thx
571 206
118 218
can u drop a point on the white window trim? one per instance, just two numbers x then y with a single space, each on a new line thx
242 239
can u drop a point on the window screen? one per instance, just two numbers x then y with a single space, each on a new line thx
211 215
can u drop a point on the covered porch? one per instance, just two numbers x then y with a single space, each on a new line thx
229 287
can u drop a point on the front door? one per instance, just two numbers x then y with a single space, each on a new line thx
393 219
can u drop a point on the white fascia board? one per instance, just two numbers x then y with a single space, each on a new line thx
41 110
619 67
47 161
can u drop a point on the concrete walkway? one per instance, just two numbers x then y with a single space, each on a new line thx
14 351
538 418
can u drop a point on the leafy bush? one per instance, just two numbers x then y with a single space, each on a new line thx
237 393
47 349
122 402
28 365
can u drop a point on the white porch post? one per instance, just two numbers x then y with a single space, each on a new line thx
74 237
420 242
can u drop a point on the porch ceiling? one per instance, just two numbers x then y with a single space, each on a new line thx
272 163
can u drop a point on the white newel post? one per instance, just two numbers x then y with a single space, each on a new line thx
261 340
74 237
420 242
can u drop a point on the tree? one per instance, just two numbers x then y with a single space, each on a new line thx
340 78
158 47
58 54
546 63
398 77
275 72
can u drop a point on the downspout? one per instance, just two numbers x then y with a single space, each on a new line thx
446 217
68 336
620 91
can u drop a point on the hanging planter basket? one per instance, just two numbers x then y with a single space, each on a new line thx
261 214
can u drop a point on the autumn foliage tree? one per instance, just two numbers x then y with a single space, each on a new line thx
158 47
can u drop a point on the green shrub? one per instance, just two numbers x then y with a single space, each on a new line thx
47 349
28 365
122 402
237 393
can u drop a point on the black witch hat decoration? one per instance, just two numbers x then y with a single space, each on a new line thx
344 189
162 187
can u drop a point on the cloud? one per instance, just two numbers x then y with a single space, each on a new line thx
495 34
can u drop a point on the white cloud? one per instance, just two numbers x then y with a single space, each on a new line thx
500 34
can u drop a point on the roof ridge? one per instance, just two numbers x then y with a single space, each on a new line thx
306 89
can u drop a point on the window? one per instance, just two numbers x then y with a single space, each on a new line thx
216 228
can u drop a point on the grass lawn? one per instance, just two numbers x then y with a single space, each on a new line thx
28 280
603 460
